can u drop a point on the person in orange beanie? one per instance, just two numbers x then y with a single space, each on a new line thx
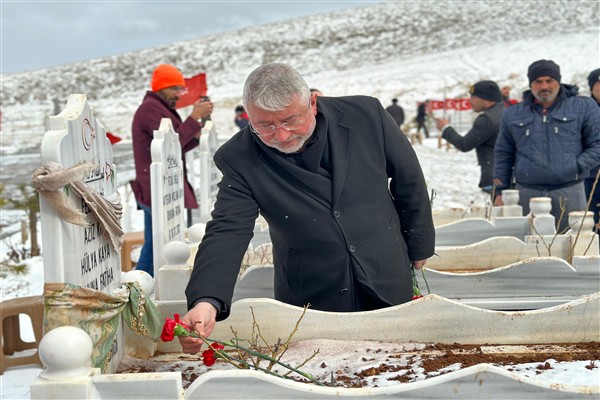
167 86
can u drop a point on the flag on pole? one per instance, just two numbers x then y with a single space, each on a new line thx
196 88
113 138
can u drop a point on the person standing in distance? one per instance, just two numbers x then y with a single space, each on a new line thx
396 111
422 110
594 82
486 99
550 141
167 85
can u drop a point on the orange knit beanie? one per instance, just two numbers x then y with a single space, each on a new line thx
165 76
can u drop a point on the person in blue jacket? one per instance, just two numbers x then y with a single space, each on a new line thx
549 141
594 82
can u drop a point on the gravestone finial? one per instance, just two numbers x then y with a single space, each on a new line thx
65 352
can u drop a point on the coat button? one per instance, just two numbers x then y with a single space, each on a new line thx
336 214
344 291
352 248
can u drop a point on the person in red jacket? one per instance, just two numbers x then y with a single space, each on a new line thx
168 85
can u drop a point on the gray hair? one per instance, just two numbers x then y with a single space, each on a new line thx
272 87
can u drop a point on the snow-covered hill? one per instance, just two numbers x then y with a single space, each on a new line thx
411 50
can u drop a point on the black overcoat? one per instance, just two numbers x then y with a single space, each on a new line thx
364 224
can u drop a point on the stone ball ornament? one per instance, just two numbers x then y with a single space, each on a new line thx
176 253
196 232
66 352
142 277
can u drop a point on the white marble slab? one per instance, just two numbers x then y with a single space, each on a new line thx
474 230
430 319
481 381
535 283
498 252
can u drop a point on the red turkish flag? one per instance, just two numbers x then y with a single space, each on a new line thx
450 104
436 104
196 88
463 104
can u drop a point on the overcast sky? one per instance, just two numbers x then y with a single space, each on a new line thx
40 34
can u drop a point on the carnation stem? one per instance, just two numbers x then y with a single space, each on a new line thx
425 279
414 278
230 359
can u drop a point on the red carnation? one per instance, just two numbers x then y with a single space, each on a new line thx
180 322
217 346
208 357
168 332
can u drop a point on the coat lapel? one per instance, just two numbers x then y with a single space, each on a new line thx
339 139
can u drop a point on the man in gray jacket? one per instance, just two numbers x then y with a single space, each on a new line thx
550 141
487 99
341 189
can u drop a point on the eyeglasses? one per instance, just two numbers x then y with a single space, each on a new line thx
269 130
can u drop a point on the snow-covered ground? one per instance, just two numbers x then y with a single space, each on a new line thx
453 175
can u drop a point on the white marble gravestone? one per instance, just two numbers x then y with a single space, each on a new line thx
75 254
209 173
166 179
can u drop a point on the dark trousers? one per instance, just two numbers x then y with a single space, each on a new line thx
421 124
595 202
146 260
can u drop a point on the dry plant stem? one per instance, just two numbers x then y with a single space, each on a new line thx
303 363
533 228
272 351
279 353
468 209
563 208
492 200
587 207
242 355
591 241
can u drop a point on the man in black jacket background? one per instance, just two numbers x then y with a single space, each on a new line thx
487 99
396 111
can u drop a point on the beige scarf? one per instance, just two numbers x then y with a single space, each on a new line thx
51 177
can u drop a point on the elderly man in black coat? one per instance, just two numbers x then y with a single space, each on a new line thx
341 189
